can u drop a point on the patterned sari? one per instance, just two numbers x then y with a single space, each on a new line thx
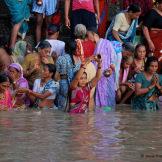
6 100
80 99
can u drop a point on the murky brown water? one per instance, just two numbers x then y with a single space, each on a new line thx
53 136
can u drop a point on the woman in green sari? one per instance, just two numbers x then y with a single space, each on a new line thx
148 87
20 13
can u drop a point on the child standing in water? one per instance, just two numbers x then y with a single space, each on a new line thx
5 94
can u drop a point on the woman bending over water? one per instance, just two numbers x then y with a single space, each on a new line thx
148 86
44 89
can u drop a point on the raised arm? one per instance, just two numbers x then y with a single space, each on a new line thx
98 74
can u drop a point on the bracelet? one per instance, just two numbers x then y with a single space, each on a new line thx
99 67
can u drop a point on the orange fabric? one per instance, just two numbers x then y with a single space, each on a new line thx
102 27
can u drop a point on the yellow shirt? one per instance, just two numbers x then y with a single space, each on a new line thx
29 64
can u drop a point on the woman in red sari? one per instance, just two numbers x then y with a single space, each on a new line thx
153 30
81 88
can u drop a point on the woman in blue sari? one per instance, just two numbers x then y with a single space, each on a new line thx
123 26
148 87
20 13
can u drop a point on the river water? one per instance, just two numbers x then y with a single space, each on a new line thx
53 136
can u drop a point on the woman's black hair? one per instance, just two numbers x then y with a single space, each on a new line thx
149 61
3 78
51 69
70 48
134 8
44 44
158 1
53 29
136 48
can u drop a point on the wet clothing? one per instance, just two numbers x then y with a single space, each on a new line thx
143 101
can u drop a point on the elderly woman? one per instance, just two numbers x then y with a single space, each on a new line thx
153 29
123 26
18 81
33 63
148 86
85 49
105 90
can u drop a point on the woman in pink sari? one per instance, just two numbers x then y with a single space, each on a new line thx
5 94
81 88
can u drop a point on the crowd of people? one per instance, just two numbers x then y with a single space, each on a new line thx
100 65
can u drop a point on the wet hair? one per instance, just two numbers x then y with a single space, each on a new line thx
70 48
158 1
136 49
149 61
3 78
134 8
80 31
53 29
51 69
44 44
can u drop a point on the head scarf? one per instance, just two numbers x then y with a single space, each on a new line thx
17 67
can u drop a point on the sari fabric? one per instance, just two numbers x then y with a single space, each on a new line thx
142 101
64 66
21 83
105 90
156 36
102 26
20 12
6 100
80 98
125 37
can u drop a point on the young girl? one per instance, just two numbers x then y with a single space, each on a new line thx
5 94
124 85
81 88
139 59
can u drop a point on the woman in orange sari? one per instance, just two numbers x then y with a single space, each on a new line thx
153 30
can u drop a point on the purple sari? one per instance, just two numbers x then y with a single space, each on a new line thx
105 90
21 83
